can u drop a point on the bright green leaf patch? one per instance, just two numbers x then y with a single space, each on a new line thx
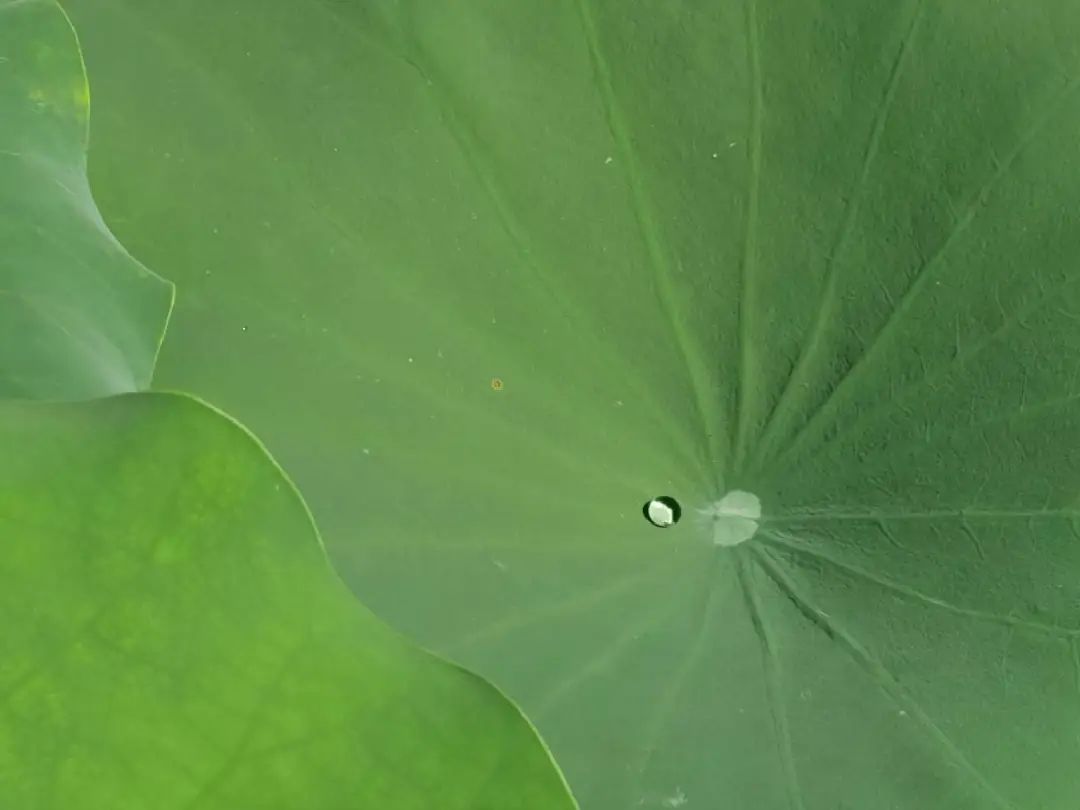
174 638
78 316
820 252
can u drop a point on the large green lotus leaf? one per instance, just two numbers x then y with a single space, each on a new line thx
78 316
174 638
489 275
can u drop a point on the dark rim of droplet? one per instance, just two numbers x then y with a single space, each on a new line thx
670 503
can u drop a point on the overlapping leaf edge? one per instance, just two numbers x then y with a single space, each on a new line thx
436 659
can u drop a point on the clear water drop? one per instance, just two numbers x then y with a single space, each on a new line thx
662 511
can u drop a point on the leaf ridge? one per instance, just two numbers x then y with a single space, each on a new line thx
658 251
926 270
880 514
773 689
608 653
665 705
748 263
915 595
867 417
551 610
880 674
827 297
511 227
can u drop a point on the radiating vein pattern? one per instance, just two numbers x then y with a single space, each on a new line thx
824 253
826 305
885 680
899 314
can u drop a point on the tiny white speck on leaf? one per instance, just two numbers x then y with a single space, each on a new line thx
608 160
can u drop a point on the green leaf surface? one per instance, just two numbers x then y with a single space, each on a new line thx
174 638
78 316
489 276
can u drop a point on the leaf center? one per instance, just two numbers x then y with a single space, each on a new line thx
734 518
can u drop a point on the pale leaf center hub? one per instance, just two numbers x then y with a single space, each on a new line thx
734 518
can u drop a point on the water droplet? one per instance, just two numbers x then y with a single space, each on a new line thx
662 511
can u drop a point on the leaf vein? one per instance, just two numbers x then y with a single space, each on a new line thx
748 263
926 270
915 595
773 688
881 675
827 298
665 705
659 253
